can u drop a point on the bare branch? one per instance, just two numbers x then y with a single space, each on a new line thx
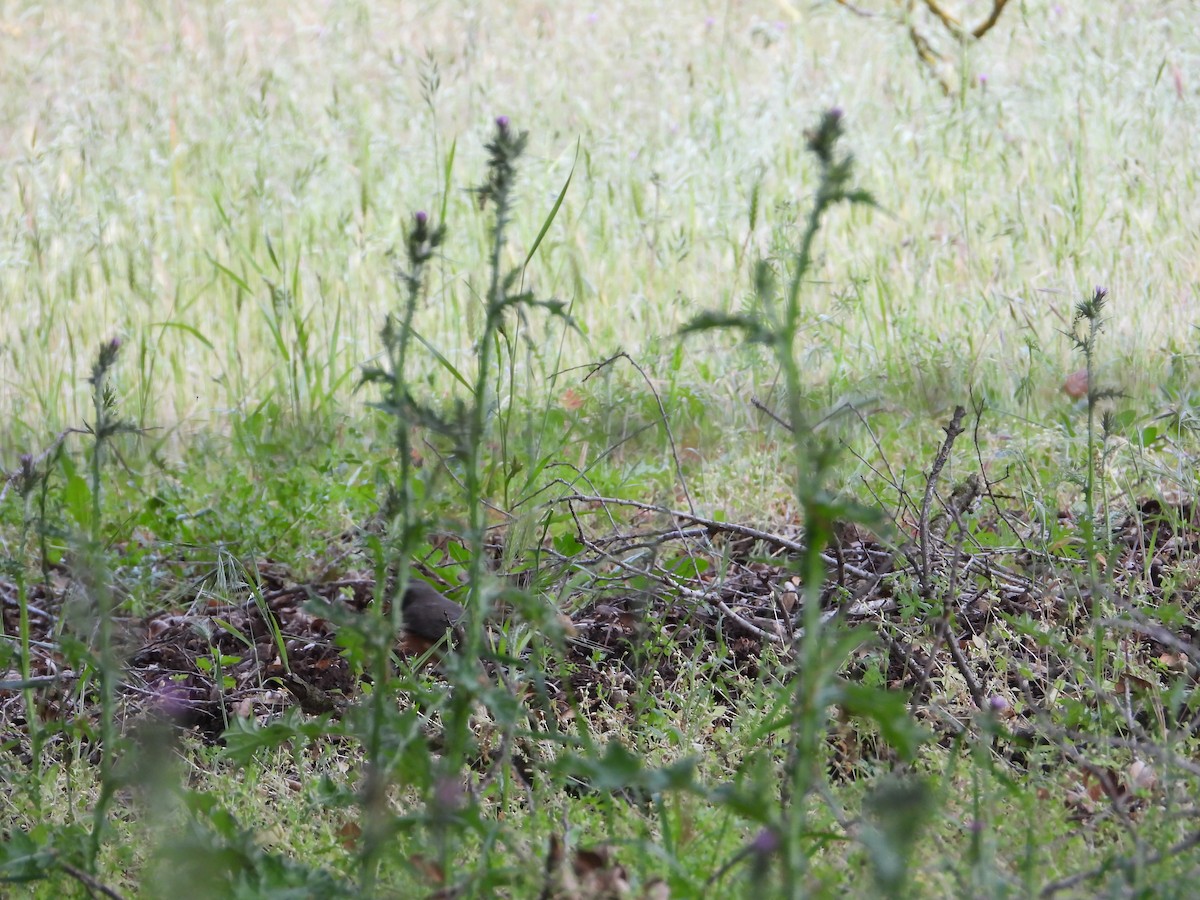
986 25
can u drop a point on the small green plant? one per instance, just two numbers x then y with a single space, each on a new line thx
215 855
215 665
1085 332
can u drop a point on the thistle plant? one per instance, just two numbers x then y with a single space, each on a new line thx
422 241
1085 332
495 348
105 425
405 527
464 425
773 319
26 481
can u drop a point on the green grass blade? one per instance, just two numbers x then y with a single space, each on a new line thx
446 172
190 329
443 362
553 210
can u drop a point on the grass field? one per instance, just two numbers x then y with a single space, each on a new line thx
148 144
229 190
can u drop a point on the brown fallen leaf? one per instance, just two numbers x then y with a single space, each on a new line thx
572 399
349 834
1076 385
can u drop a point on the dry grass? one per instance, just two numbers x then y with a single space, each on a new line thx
143 142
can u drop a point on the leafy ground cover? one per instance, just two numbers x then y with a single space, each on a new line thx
820 526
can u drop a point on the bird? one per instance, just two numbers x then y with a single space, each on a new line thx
427 617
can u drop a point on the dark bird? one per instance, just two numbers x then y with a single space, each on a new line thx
427 617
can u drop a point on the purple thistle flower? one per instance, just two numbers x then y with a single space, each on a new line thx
765 842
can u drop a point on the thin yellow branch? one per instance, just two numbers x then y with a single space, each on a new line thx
986 26
930 58
952 24
857 10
